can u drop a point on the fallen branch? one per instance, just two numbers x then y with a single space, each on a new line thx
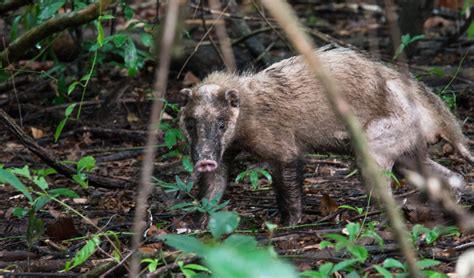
44 155
25 42
287 19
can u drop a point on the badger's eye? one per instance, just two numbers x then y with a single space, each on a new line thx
221 124
190 124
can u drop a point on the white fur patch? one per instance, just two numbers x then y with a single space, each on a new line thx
209 89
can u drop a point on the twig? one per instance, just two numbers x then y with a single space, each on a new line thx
260 12
44 155
287 19
224 41
198 45
206 30
22 44
224 14
161 79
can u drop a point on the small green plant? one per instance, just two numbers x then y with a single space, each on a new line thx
407 39
402 269
204 205
189 270
84 253
83 167
356 209
430 236
37 193
152 263
449 97
254 176
228 254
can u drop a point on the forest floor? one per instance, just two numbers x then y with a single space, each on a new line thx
114 134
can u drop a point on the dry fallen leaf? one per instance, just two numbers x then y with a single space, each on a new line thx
61 229
36 132
132 118
328 205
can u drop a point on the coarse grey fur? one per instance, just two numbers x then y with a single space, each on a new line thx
281 113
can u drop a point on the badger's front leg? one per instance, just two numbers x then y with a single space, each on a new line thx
288 186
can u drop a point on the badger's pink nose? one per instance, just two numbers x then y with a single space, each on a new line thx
206 165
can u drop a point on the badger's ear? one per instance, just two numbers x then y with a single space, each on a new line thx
232 97
187 94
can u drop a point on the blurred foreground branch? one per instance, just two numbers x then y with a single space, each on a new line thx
161 79
287 19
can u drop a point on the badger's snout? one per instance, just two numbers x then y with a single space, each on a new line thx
206 165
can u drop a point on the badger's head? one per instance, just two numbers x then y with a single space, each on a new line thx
209 121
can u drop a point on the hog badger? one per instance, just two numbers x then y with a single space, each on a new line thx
281 113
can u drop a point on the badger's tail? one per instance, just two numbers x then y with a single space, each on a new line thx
448 126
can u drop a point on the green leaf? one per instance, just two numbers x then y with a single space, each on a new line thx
427 263
106 17
344 265
385 273
353 229
34 230
224 222
19 212
325 244
40 202
226 261
197 267
187 164
337 237
59 129
100 33
86 164
434 274
119 40
152 264
147 39
266 175
69 109
185 243
41 182
240 176
326 268
254 179
86 251
241 242
170 138
45 172
65 192
128 12
14 28
86 77
49 9
359 252
470 30
81 179
131 58
25 171
11 179
312 274
72 86
393 263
